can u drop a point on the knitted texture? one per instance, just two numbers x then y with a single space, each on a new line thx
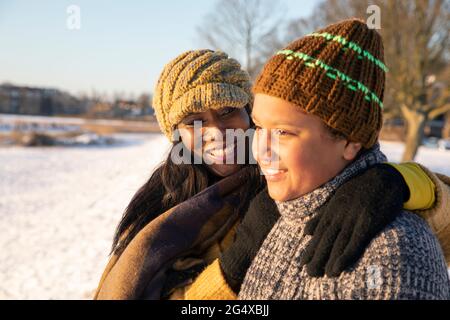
404 261
197 81
337 74
256 224
210 285
438 217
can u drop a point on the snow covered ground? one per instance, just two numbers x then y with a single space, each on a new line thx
8 121
433 158
59 208
58 211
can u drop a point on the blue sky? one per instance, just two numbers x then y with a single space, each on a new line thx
121 46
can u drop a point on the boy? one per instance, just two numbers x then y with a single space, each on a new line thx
321 98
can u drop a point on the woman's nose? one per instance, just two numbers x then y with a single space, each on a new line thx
213 133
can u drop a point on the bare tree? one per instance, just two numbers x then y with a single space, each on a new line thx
416 45
144 103
416 36
244 29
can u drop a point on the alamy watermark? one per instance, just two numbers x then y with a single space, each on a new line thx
212 146
73 20
374 20
374 279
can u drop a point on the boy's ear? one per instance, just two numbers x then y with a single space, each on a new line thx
351 150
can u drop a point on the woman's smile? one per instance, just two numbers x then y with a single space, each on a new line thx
221 153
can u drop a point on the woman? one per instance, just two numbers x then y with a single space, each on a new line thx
185 216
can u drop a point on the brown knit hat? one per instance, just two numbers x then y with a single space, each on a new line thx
197 81
337 74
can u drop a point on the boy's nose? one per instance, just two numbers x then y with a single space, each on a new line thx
263 147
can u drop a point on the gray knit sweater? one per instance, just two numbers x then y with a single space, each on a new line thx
404 261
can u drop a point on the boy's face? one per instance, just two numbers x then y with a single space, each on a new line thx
302 154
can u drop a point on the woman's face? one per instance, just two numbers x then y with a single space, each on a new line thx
214 149
294 150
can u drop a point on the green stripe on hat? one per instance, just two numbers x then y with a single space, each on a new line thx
333 73
353 46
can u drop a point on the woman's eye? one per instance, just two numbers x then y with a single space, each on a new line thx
227 111
191 123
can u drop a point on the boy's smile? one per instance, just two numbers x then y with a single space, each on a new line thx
273 174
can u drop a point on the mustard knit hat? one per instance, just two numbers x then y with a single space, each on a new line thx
197 81
337 74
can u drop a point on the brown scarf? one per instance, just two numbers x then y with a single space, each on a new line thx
186 230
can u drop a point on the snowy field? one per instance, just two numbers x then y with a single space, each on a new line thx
59 208
58 211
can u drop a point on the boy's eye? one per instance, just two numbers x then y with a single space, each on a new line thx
275 132
280 132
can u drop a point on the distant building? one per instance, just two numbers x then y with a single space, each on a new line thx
45 101
38 101
132 108
435 128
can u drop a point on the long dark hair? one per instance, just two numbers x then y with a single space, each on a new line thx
169 185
